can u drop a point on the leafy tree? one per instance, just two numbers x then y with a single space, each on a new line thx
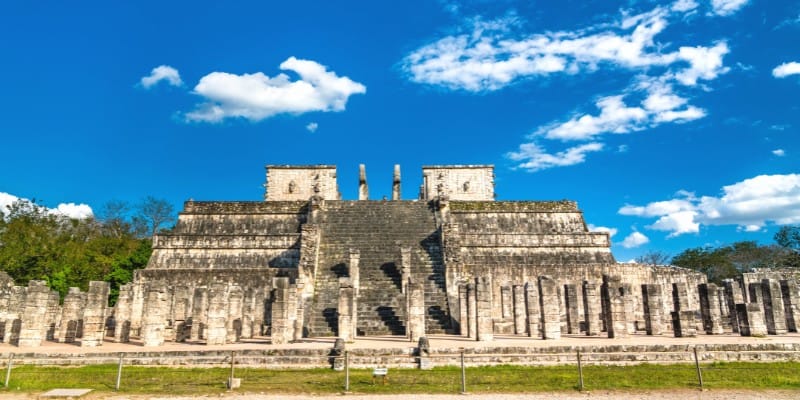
710 261
152 214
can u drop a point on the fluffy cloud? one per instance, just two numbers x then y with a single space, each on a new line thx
312 127
162 73
749 204
257 96
534 158
635 239
786 69
779 152
71 210
727 7
611 231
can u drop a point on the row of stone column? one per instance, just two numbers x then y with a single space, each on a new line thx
543 309
31 315
218 314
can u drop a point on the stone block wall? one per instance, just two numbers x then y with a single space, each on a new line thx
458 182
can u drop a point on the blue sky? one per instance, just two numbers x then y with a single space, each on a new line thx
674 124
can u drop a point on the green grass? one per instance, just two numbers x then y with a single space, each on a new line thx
497 379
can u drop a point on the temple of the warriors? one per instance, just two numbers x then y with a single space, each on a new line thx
305 263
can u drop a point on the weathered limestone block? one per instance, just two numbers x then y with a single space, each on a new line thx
791 304
653 304
684 323
424 353
12 323
34 316
154 319
733 296
592 308
710 308
774 315
122 314
533 309
573 310
614 307
200 306
282 325
233 325
551 316
751 320
347 310
217 314
472 311
520 313
416 310
72 315
483 298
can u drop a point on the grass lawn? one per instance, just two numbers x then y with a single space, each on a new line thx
496 379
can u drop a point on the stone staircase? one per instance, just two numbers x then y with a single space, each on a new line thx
378 229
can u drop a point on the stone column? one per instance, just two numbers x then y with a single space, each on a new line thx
405 268
71 315
233 324
592 308
653 304
680 296
299 312
363 189
181 312
94 315
506 302
614 307
416 310
156 311
137 306
354 271
396 183
630 308
774 314
122 314
13 319
34 315
282 327
533 309
684 323
248 309
751 320
463 315
551 316
573 310
791 299
472 312
483 297
199 314
733 296
520 312
53 316
217 314
709 308
347 310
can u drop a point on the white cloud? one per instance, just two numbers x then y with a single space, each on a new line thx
312 127
611 231
162 73
704 63
727 7
71 210
684 5
749 204
635 239
534 158
779 152
786 69
257 96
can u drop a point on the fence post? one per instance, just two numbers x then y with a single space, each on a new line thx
233 360
8 370
580 372
463 374
697 366
346 372
119 372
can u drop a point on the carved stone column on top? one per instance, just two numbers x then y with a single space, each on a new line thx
533 309
71 315
34 314
483 297
551 316
614 307
653 304
347 310
592 308
774 314
396 183
94 315
363 189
